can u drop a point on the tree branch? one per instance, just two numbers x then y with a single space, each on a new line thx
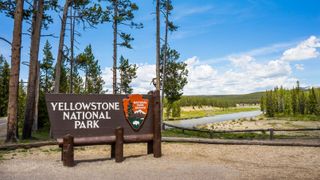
5 40
26 34
49 35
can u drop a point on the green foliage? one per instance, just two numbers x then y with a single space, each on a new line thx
291 101
93 79
47 70
21 103
4 85
127 74
175 77
176 109
122 13
167 7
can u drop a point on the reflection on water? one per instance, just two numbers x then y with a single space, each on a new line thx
212 119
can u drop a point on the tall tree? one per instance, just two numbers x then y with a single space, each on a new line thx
38 9
14 73
47 68
87 14
4 86
122 14
93 82
59 62
158 45
166 8
176 78
127 73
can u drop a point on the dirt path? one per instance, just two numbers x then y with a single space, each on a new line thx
179 161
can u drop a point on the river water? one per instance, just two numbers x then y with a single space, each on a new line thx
189 123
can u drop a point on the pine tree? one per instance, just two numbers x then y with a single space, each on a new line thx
127 74
47 70
95 79
122 12
312 105
176 78
4 86
86 61
21 104
14 73
270 104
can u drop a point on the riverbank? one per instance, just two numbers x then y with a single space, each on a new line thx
179 161
190 112
262 122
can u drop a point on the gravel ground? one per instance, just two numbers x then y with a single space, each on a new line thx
179 161
3 128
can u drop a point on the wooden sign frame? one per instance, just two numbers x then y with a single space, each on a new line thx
112 128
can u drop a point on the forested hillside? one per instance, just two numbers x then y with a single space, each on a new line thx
221 100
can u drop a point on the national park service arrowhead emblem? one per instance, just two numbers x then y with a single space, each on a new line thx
135 110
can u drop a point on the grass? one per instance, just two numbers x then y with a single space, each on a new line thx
40 135
198 113
194 134
299 117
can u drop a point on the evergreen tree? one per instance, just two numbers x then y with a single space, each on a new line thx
312 105
176 78
77 82
127 74
122 13
93 82
302 103
95 79
21 104
4 86
47 70
270 108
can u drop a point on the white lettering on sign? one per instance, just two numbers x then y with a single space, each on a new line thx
86 115
86 124
91 106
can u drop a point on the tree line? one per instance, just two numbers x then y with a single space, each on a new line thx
24 102
295 101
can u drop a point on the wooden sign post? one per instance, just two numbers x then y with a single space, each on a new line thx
79 120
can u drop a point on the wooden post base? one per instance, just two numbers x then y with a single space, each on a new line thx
119 145
68 151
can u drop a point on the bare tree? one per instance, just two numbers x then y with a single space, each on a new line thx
60 48
14 73
38 6
158 45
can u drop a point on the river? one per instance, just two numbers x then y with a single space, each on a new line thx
189 123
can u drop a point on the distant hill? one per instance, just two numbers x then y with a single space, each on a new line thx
221 100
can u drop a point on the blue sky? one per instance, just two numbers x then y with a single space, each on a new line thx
231 47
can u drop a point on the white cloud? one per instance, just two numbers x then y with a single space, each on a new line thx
244 74
305 50
142 84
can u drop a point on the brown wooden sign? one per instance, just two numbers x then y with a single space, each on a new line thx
92 119
99 115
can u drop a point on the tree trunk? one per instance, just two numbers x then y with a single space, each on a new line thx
158 46
164 64
60 49
115 35
34 53
35 121
14 73
72 26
